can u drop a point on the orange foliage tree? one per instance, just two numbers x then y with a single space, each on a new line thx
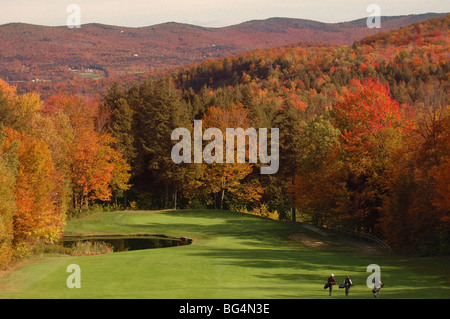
93 164
221 179
416 210
37 216
8 172
350 181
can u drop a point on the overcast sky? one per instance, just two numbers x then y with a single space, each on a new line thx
211 13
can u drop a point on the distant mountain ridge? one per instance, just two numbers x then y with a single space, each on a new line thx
32 53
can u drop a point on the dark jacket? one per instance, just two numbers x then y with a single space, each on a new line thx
331 281
347 282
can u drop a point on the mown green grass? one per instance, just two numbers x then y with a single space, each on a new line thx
231 257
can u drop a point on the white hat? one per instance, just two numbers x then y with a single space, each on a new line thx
332 275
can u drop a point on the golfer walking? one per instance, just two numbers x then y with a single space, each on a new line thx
331 282
347 284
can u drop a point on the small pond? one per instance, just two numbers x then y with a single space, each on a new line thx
126 243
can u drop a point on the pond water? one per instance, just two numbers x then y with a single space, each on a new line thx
122 243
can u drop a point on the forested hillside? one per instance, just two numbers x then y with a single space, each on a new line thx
364 142
45 58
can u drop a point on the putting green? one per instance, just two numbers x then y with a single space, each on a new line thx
231 257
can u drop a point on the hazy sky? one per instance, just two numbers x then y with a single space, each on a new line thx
213 13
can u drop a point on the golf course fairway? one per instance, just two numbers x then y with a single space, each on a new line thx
231 257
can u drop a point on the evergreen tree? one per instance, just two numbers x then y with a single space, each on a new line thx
159 110
121 121
121 127
289 121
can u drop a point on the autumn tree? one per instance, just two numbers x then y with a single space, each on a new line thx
7 99
8 174
220 178
54 128
372 125
415 212
95 167
344 167
37 217
32 206
316 187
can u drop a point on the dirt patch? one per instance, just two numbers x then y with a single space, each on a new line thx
369 249
315 229
308 241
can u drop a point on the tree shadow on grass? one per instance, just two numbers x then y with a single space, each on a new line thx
309 269
271 256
